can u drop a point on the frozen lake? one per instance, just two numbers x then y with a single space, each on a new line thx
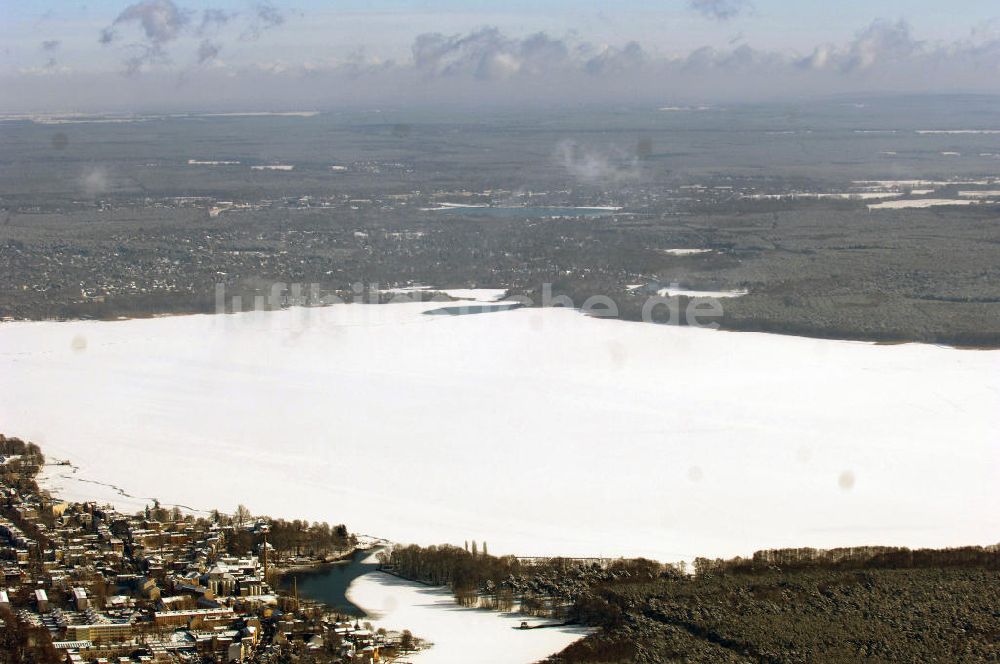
540 431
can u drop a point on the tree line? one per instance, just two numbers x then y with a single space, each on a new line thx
538 586
297 537
855 558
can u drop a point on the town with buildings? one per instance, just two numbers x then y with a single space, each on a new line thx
84 583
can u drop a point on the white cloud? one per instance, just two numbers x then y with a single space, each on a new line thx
879 43
161 23
720 10
487 54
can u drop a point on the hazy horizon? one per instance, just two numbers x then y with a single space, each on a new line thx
240 55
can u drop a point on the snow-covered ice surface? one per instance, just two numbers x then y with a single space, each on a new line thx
670 292
458 634
476 294
68 483
472 294
992 193
541 431
686 252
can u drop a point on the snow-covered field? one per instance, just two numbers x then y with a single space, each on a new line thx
541 431
458 635
895 184
919 203
210 162
847 195
958 131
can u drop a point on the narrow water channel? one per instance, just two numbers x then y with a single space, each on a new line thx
329 584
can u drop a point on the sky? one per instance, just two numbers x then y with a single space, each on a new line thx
270 55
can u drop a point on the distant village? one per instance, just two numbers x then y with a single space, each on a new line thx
85 583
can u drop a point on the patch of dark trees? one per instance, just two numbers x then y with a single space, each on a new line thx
854 558
294 538
780 605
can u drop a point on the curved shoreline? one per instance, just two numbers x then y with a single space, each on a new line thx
454 632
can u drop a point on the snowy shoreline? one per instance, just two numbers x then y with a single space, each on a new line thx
455 632
472 297
388 601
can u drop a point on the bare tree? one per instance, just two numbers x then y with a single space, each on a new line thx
242 515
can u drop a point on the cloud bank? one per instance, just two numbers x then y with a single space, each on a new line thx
882 43
167 49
